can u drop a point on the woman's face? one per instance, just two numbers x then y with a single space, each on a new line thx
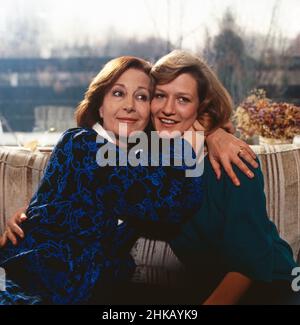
175 105
127 103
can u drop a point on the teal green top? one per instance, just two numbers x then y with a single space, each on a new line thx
232 229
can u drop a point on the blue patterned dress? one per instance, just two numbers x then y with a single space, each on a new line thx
73 240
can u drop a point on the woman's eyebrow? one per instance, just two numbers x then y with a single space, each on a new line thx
176 93
184 94
140 87
158 89
144 88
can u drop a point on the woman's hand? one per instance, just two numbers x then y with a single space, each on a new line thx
225 149
230 290
12 230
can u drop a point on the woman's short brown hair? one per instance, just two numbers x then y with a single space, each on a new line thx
215 102
87 112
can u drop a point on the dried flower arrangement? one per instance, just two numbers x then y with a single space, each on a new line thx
258 115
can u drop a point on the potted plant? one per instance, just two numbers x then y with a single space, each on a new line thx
273 122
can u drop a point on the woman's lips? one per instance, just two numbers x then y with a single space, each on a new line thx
127 120
167 122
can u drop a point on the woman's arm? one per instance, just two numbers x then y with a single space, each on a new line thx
230 290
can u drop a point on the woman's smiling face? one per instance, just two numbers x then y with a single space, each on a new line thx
127 103
174 106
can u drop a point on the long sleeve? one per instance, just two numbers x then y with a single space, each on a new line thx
72 188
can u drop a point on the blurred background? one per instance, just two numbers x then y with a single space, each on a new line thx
51 49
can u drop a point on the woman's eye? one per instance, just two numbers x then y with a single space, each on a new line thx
143 97
183 100
117 93
159 95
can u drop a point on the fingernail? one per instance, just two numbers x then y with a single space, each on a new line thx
237 183
250 174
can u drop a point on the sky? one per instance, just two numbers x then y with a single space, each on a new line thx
171 19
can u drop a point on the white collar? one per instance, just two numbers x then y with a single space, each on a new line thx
102 132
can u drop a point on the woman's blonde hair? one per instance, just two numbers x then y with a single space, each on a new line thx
215 102
87 112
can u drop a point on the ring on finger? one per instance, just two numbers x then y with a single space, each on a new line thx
240 151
